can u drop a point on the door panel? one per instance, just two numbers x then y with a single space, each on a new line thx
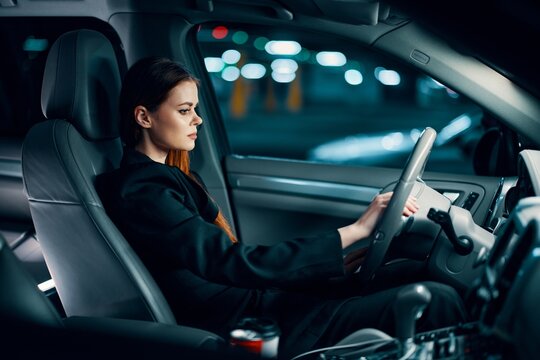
277 199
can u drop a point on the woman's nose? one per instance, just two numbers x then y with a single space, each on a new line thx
197 120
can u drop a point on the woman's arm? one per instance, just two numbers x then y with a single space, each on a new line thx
168 235
363 227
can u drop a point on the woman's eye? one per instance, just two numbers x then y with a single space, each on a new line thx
183 111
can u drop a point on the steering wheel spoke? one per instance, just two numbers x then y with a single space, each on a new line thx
391 221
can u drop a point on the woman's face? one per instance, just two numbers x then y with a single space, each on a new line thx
174 123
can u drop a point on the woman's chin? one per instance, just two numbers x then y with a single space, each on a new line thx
184 147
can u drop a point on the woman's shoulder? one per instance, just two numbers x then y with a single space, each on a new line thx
137 173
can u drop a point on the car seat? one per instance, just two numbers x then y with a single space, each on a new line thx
95 270
31 327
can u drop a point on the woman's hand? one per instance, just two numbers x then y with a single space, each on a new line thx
364 226
354 259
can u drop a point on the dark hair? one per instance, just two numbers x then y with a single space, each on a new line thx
147 83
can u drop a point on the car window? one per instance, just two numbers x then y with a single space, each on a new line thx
305 96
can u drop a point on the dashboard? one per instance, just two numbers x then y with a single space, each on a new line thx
509 289
528 183
507 293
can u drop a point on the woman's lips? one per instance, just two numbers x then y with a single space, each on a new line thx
193 136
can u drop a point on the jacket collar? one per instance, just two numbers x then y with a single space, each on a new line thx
132 156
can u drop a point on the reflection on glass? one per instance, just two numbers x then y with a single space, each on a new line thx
253 71
284 66
280 47
294 98
389 77
213 64
331 58
283 77
230 73
353 77
231 57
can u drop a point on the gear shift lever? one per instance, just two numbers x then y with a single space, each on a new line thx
410 304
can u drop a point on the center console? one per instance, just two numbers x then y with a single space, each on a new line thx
504 299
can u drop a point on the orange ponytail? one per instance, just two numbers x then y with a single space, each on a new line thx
180 159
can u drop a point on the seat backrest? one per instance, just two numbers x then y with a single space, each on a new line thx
95 270
28 320
32 328
20 301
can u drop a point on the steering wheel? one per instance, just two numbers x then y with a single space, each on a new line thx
391 220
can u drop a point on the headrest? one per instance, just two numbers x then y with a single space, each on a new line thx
81 84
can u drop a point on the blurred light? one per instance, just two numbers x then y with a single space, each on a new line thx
230 56
240 37
377 71
260 43
392 141
213 64
435 84
220 32
283 78
428 85
33 44
415 134
230 73
46 285
353 77
361 148
346 149
253 71
284 66
331 58
279 47
452 93
389 77
454 128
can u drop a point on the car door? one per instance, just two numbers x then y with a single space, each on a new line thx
316 126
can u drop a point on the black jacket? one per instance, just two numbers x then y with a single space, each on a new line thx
209 281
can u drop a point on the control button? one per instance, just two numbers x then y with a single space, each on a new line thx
470 200
379 235
451 195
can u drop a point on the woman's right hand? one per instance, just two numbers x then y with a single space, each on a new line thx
365 225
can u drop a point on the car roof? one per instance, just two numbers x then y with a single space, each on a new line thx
502 34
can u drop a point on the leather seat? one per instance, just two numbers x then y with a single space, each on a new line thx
31 327
95 270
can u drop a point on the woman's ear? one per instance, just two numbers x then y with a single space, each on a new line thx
142 117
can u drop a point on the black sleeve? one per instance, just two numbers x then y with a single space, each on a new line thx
176 237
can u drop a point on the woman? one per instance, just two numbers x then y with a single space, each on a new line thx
210 279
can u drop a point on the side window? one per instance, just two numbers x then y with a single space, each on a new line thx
304 96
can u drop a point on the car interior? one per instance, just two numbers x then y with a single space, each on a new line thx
71 285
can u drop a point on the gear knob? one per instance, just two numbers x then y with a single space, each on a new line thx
409 306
